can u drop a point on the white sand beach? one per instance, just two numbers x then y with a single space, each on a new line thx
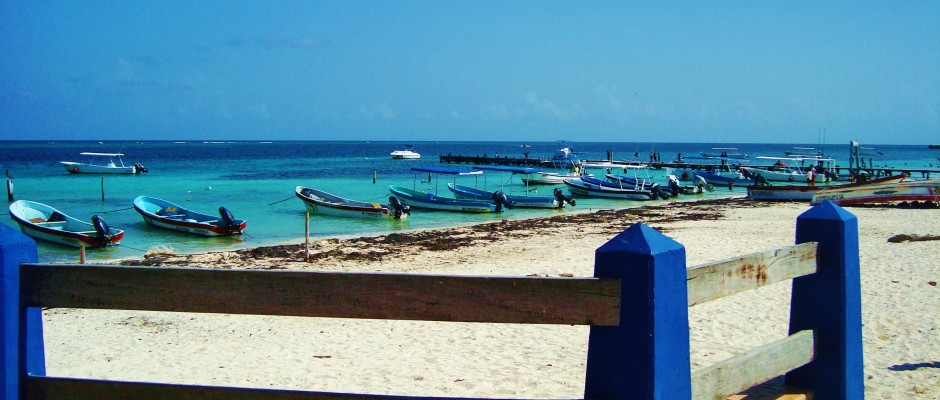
901 311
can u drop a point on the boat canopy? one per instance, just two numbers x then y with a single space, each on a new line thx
446 171
515 170
103 154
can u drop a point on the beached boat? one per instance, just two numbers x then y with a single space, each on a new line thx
164 214
405 154
102 163
894 192
806 192
44 222
320 202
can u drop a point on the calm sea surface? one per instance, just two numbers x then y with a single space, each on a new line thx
256 180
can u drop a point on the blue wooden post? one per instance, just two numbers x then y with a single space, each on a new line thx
830 302
647 355
21 352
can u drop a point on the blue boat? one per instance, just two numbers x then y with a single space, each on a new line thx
557 200
418 199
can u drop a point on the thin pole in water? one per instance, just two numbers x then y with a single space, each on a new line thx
102 188
81 253
373 176
9 190
307 237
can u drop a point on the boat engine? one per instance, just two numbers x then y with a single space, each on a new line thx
104 231
656 191
502 201
140 168
674 186
230 225
562 199
399 207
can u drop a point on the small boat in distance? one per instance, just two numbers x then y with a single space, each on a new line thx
405 154
44 222
103 163
320 202
163 214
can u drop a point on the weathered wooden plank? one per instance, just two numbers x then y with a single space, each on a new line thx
532 300
756 366
39 388
711 281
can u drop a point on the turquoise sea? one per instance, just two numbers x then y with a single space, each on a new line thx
255 180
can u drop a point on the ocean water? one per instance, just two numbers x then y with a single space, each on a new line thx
255 181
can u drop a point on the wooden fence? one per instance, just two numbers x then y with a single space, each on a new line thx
636 306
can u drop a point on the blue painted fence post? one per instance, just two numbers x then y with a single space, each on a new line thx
16 248
647 355
830 302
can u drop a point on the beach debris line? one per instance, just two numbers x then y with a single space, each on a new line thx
904 237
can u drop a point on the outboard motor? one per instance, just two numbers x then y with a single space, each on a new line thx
656 190
398 207
562 199
140 168
502 201
674 187
104 231
230 225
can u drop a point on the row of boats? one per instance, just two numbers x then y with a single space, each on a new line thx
44 222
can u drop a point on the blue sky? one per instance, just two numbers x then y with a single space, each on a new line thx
728 71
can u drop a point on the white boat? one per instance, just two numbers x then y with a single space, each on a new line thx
102 163
164 214
805 192
405 154
43 222
548 178
590 187
320 202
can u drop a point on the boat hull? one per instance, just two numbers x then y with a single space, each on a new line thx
32 218
323 203
928 191
429 201
805 192
778 176
83 168
163 214
466 192
546 178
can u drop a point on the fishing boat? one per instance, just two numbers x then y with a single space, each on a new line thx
405 154
558 200
44 222
164 214
549 178
525 200
102 163
320 202
723 152
719 177
893 192
806 192
432 201
593 187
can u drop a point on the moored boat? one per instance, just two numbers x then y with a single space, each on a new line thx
892 192
319 202
558 200
431 201
41 221
164 214
102 163
591 187
806 192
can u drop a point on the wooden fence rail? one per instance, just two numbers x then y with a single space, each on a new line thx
636 307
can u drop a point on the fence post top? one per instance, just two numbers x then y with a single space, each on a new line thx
639 238
827 210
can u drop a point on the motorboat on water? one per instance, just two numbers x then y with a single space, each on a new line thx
320 202
102 163
164 214
41 221
405 154
420 199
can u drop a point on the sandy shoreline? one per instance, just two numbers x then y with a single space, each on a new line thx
901 313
